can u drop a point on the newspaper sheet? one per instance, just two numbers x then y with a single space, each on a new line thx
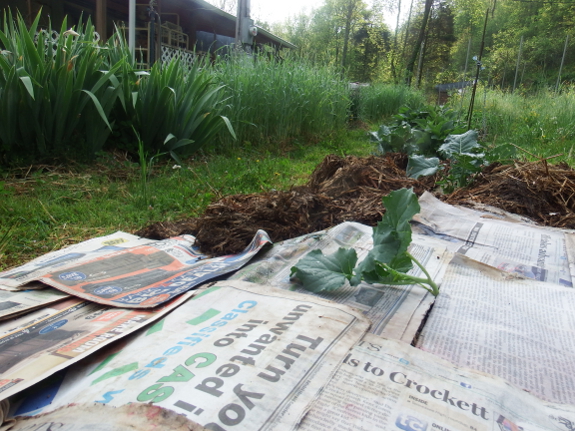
4 409
148 275
389 385
13 303
519 329
395 311
40 343
532 251
17 277
239 355
98 417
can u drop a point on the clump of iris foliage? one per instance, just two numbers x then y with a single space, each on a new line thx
75 97
70 96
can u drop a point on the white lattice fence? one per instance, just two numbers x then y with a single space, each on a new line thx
51 38
186 57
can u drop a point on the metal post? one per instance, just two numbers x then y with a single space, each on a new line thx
152 40
561 67
132 28
101 19
29 18
517 65
472 102
243 23
465 75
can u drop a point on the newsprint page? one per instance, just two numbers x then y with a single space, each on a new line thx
238 356
38 344
519 329
389 385
502 241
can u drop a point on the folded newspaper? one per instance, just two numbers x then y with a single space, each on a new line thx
136 276
40 343
20 277
99 417
14 303
532 251
238 355
388 385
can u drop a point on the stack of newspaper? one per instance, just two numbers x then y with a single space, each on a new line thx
256 352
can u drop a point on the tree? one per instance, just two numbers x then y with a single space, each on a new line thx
440 37
416 48
370 44
229 6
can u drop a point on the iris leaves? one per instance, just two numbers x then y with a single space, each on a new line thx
387 262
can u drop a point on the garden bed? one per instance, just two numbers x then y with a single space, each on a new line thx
351 188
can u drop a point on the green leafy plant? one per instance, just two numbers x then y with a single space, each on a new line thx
53 95
417 131
466 159
173 107
429 136
387 262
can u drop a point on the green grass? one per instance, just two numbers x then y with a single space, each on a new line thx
270 103
542 124
380 101
49 207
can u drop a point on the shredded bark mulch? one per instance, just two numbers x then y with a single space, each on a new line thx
340 189
351 188
543 192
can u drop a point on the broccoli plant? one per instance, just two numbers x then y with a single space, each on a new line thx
387 262
465 154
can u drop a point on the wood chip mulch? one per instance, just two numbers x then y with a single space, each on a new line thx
542 192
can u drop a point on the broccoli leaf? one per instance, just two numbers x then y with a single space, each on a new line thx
321 273
465 143
418 166
387 262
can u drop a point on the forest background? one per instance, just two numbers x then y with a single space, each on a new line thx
434 41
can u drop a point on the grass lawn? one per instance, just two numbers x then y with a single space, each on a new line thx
47 207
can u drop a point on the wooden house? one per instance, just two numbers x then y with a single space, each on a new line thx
187 26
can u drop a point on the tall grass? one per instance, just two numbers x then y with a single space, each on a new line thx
273 102
542 124
378 101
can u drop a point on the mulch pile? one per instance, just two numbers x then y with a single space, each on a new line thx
542 192
351 188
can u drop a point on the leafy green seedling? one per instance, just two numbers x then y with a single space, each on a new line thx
387 262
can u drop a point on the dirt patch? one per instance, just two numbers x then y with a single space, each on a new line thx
351 188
